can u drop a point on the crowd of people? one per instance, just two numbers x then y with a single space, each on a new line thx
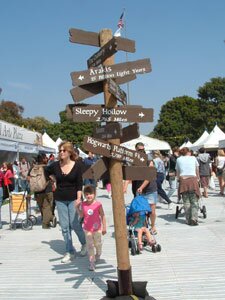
78 210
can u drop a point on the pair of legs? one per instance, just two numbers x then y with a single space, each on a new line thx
68 219
45 202
221 183
160 190
94 245
141 231
152 200
173 186
190 200
205 184
1 200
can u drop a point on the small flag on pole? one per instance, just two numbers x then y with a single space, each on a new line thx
120 25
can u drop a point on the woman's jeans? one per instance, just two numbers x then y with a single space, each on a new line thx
160 190
173 186
1 200
68 219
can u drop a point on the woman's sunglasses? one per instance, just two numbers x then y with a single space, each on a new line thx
62 150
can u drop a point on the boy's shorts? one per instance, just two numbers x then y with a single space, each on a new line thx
152 197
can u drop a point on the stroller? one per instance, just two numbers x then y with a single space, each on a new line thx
20 211
139 205
180 208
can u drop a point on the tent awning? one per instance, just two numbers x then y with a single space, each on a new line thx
149 143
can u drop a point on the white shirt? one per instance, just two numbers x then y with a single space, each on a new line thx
186 165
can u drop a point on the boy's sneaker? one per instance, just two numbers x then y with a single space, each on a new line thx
91 266
83 250
68 257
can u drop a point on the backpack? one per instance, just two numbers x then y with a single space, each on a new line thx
38 181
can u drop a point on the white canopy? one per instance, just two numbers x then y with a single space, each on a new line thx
212 141
195 145
222 144
186 144
47 141
149 143
58 141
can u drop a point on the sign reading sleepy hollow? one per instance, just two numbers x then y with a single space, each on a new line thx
114 151
99 113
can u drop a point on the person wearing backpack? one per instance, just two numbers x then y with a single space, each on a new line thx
41 185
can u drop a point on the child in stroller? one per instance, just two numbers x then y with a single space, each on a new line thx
137 218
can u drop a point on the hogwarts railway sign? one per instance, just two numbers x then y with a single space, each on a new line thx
120 70
99 113
117 152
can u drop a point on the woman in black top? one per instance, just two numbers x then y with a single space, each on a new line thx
68 174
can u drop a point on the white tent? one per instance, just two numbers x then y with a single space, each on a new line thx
222 144
186 144
149 143
212 141
47 141
195 146
58 141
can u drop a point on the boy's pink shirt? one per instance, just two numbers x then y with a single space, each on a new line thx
92 218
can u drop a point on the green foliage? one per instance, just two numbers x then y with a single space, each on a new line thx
186 118
69 130
179 120
11 112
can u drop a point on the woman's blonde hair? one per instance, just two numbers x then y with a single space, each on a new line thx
220 152
68 146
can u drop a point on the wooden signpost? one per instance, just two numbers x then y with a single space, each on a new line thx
120 70
108 131
105 76
88 90
99 113
117 92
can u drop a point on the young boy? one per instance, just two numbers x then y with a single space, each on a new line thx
94 224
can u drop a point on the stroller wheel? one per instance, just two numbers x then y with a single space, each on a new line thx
203 210
33 219
27 224
177 212
12 226
154 249
145 243
133 247
158 248
133 251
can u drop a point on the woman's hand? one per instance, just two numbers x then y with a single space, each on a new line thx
139 190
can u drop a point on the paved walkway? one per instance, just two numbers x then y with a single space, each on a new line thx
191 265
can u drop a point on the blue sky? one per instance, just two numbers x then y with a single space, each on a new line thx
184 40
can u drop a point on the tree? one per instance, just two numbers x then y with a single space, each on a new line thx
212 103
37 123
69 130
11 112
178 120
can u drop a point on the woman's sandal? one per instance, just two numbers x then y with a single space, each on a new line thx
153 231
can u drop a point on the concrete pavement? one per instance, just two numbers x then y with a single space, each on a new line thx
191 265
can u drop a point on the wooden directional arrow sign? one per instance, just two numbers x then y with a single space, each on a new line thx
99 113
120 70
117 152
115 89
96 170
88 90
92 38
139 173
108 131
106 51
129 133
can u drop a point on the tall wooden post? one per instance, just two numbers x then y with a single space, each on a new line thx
116 178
